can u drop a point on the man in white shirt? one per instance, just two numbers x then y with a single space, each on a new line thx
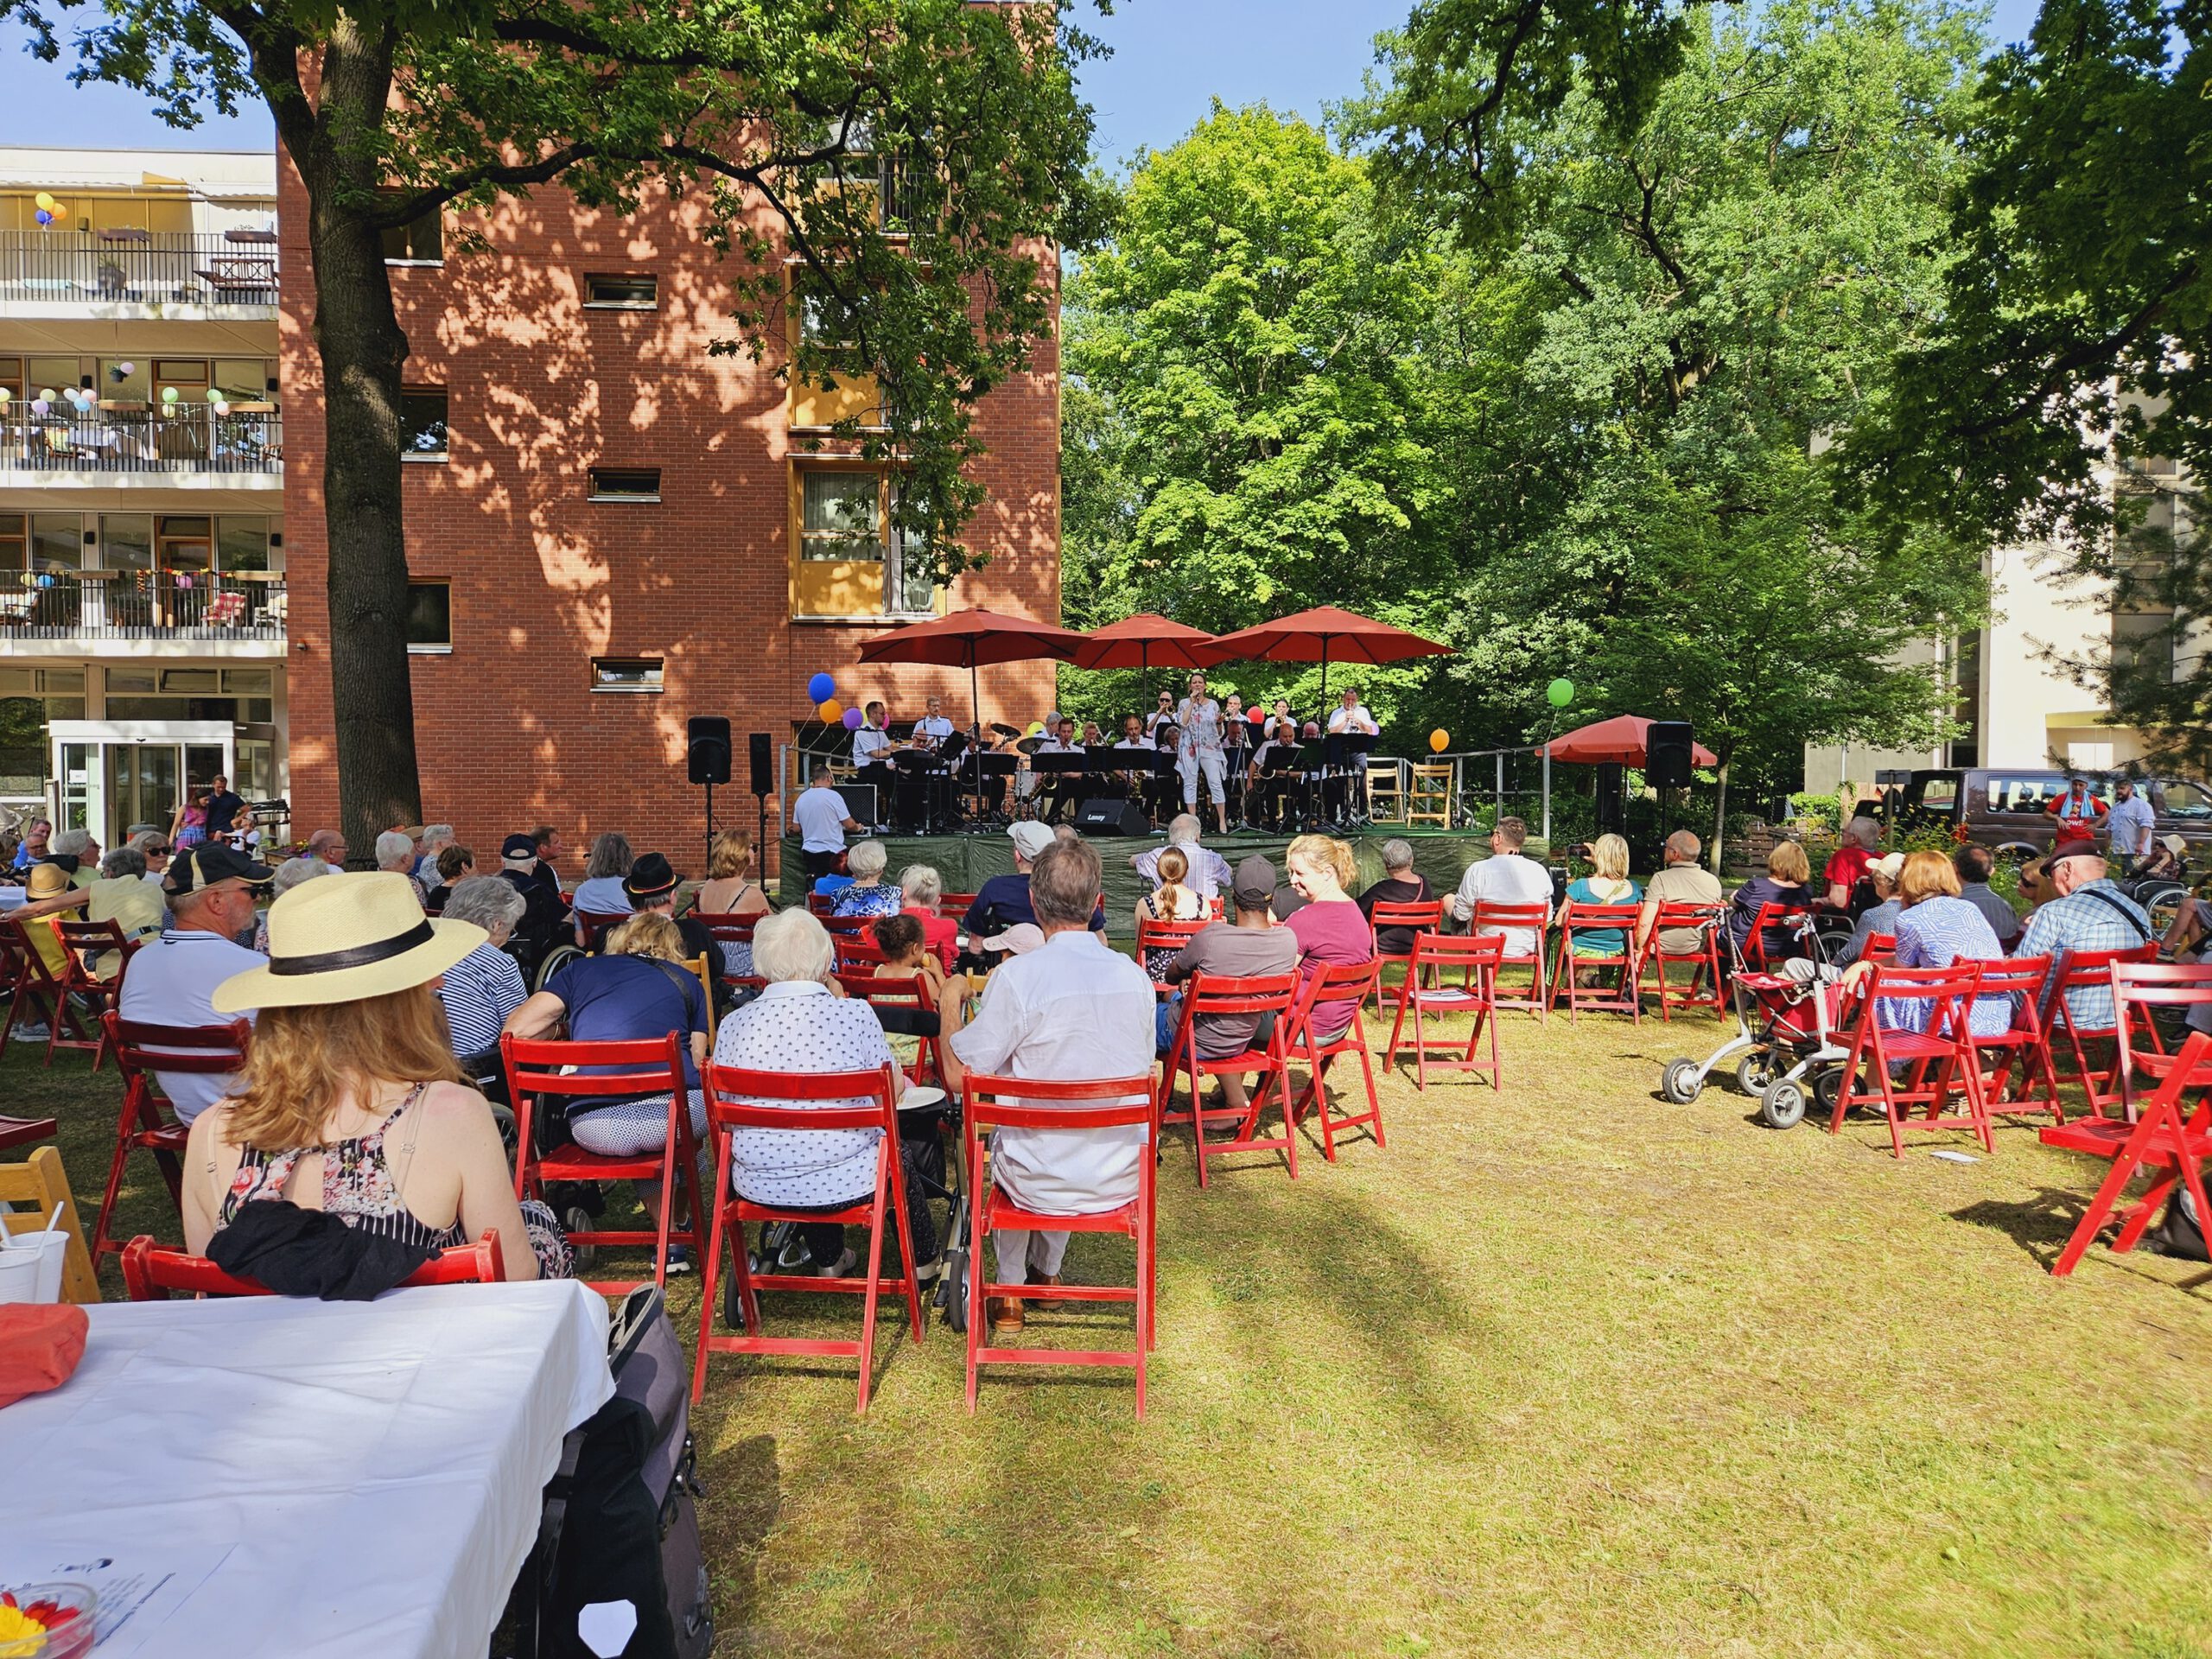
1199 716
1348 719
871 743
1350 716
933 725
1071 1009
1506 877
2130 822
1163 715
210 890
1061 788
1209 869
821 819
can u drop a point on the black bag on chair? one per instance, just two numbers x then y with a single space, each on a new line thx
620 1521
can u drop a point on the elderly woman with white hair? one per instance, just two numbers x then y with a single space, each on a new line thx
921 891
396 853
799 1024
867 895
289 874
484 986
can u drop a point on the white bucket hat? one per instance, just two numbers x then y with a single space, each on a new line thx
344 939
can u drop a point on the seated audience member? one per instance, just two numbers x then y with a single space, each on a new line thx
484 986
1400 885
343 1057
172 980
122 896
2167 859
77 852
1002 901
1936 928
730 888
600 893
1330 928
1207 871
1682 880
1854 850
396 854
326 846
1880 917
1785 884
547 872
922 895
49 893
798 1024
868 893
1974 865
2035 886
34 845
650 887
1608 883
436 838
1251 947
153 847
639 988
1506 877
1173 902
1071 1009
289 874
542 921
2082 910
452 865
906 955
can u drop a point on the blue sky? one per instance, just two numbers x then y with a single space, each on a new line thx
1170 58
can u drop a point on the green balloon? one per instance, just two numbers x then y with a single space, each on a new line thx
214 394
1560 693
169 394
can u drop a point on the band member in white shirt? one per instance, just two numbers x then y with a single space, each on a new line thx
1135 782
1199 716
933 725
1166 712
1348 718
1059 789
1267 789
871 742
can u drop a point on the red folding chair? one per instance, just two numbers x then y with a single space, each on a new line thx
650 1065
1759 949
2165 1138
20 985
1492 919
1576 917
592 927
43 989
2092 971
905 993
1704 989
151 1271
86 946
818 904
1943 1042
1334 983
2022 979
991 1103
1477 956
146 1122
738 1099
857 953
1880 947
21 1131
1167 936
955 905
1423 916
727 931
2138 988
1260 996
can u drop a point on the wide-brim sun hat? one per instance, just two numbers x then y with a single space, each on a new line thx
345 938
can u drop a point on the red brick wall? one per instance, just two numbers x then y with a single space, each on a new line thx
540 389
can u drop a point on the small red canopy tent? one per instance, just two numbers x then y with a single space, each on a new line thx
1620 740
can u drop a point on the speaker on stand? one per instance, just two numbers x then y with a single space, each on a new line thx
706 747
1667 761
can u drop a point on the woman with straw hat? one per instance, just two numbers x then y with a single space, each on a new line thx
352 1103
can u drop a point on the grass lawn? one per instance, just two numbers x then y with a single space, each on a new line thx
1563 1371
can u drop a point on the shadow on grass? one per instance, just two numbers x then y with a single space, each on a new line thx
2040 1224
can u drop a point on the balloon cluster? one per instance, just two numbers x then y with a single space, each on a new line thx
50 211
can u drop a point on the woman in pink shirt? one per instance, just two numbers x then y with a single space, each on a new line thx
1330 927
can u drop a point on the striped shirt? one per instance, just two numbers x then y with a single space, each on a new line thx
479 992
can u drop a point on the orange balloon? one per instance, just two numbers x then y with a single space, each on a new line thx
58 211
829 713
1439 739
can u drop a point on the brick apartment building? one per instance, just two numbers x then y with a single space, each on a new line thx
610 531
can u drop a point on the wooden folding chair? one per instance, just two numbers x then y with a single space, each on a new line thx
146 1122
804 1102
990 1102
94 957
1477 956
21 986
1420 915
1944 1041
1576 917
1704 961
1494 919
42 988
152 1271
30 1193
2165 1138
1269 998
2138 988
904 993
1332 984
648 1066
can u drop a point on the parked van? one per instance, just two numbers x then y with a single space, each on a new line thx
2004 808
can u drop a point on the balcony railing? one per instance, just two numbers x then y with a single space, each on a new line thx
139 267
133 437
140 605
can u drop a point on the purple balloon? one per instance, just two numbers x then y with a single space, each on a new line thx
40 406
852 719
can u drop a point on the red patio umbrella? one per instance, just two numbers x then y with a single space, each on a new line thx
1147 641
968 639
1620 740
1324 635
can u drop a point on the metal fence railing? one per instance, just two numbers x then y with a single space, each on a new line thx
127 267
140 605
141 438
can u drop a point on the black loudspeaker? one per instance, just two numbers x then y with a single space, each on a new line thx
1667 754
1612 803
1111 816
707 743
762 760
860 801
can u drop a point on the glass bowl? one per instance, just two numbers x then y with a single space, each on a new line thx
69 1640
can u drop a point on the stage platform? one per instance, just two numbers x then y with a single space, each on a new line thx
967 860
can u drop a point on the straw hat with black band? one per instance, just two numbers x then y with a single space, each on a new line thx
345 938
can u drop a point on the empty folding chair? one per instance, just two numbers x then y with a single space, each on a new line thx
146 1122
1314 1048
2088 981
1418 915
2168 1138
2021 979
1477 958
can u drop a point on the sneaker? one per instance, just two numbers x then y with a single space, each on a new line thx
679 1259
838 1270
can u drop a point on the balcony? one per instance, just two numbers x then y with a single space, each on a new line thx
238 613
229 272
126 448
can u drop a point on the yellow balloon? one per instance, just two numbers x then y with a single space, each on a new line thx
1439 739
45 199
829 713
1036 728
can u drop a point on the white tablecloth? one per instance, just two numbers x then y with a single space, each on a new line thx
373 1469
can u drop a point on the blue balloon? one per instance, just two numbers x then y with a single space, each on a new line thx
46 580
821 688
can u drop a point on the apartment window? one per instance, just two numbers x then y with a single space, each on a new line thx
841 515
2143 644
126 541
423 423
39 541
626 483
906 586
429 616
419 242
626 674
241 545
621 293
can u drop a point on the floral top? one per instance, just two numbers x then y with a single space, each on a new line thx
357 1187
880 899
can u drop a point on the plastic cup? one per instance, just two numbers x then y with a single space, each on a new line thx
19 1275
45 1250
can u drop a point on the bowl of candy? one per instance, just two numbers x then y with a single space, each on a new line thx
46 1621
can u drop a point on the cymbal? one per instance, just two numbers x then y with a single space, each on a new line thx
1030 745
1006 731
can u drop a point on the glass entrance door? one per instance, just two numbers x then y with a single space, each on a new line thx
116 777
142 785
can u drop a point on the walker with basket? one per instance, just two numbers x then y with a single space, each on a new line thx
1787 1017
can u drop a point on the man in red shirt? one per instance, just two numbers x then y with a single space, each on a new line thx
1854 850
2078 812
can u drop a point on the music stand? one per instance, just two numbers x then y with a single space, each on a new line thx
1348 752
1313 761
